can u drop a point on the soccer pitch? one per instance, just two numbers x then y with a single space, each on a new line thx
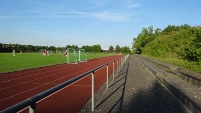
9 63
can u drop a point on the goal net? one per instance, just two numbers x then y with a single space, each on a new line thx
82 55
76 55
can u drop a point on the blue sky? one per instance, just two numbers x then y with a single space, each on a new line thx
89 22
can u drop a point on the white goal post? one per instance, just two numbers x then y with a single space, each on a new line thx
76 55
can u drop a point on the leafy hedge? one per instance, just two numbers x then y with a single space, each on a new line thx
192 51
174 41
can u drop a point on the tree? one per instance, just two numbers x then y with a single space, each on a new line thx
144 38
87 48
192 51
73 46
125 49
29 48
22 47
52 48
16 47
1 47
96 48
117 49
111 48
157 31
76 47
68 46
59 49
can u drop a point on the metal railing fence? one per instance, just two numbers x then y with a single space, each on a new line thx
31 102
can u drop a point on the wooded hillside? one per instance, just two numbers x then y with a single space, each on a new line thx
173 42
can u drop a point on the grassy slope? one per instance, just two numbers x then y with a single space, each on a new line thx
179 62
30 60
168 46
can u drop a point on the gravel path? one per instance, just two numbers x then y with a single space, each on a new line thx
135 90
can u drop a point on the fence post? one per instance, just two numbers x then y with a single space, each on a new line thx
92 91
107 76
117 66
113 69
32 108
79 56
68 56
124 59
121 61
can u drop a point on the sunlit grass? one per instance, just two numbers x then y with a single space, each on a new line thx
8 62
179 62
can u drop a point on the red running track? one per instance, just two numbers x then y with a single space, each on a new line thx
18 86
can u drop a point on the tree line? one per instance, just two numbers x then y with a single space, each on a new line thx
24 48
97 48
33 49
183 42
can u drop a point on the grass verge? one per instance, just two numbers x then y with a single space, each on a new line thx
194 66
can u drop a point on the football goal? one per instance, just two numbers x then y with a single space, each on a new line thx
76 55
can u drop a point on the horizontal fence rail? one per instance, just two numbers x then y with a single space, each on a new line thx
31 102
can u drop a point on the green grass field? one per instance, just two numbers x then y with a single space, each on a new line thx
9 63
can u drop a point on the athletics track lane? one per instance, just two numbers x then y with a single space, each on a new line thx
18 86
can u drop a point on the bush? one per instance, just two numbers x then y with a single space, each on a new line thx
192 52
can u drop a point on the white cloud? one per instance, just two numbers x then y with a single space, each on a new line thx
109 16
133 5
105 15
10 17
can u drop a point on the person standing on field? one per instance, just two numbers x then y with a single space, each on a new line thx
20 51
66 53
13 52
